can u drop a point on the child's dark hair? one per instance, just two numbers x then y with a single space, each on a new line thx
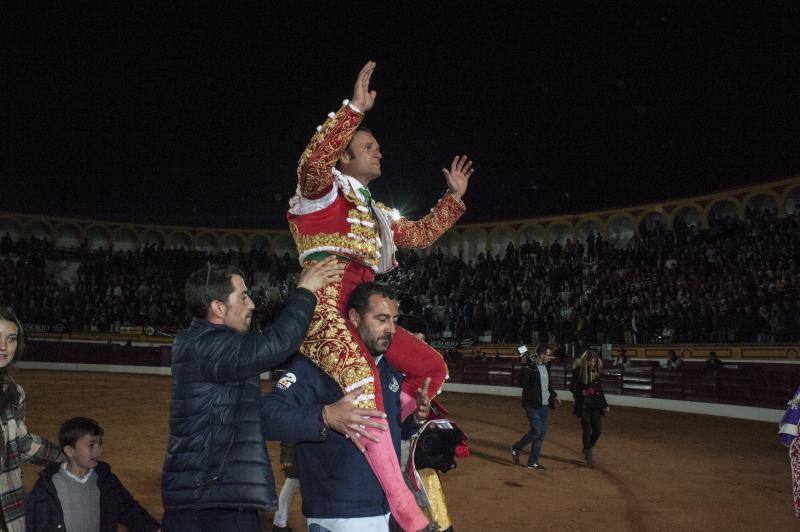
74 429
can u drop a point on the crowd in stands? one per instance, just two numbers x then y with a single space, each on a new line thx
114 289
736 281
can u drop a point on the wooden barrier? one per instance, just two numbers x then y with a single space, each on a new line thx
767 385
755 383
643 352
94 337
97 353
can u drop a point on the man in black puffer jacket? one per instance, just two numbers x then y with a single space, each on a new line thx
216 471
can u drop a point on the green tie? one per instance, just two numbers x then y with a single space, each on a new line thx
368 199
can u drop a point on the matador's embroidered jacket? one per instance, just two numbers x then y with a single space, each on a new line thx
327 215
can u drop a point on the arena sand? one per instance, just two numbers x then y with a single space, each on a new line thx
654 470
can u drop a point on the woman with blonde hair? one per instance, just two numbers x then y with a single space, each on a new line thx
590 401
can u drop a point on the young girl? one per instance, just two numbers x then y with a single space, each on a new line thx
590 401
17 443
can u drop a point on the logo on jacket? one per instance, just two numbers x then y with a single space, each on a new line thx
286 381
394 385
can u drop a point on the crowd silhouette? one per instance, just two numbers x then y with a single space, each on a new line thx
736 281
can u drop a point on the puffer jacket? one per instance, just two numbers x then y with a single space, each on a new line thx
216 457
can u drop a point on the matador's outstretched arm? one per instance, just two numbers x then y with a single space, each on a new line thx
327 145
425 231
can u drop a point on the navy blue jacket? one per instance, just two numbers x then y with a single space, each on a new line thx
215 456
335 478
117 506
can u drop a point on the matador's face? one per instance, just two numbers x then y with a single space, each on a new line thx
362 159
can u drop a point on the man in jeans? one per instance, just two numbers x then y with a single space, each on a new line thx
538 397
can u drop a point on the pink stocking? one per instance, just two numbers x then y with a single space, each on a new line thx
382 460
408 403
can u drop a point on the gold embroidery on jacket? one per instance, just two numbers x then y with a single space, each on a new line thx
330 345
365 251
324 150
361 241
425 231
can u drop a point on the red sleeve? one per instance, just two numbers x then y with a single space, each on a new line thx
324 150
425 231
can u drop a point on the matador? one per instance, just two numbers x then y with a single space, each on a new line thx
333 213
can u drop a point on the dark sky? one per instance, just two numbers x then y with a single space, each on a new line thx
197 115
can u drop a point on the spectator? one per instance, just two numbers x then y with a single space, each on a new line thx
674 362
83 493
290 484
713 364
538 397
590 401
622 361
17 443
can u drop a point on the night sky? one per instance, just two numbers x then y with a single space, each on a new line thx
197 115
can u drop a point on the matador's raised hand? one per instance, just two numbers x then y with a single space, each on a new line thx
363 98
458 175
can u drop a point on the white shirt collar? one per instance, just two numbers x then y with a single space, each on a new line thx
355 184
75 477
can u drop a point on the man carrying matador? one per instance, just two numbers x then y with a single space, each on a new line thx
333 213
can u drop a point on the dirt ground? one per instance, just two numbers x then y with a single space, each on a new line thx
654 470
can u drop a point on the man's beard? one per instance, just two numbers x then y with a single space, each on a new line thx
376 348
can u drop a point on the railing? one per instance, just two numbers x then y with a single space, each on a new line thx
651 352
761 384
767 385
105 353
